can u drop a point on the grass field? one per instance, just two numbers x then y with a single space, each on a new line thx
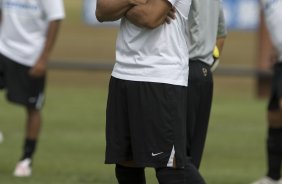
71 149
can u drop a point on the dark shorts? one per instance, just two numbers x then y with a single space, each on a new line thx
146 123
21 88
276 90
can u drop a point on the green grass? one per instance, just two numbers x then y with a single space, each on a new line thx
72 144
235 144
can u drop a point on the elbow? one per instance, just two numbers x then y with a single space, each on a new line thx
153 21
100 11
99 16
143 19
151 24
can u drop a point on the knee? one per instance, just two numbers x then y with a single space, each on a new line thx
275 119
33 111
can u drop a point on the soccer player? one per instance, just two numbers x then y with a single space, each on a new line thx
273 18
146 108
206 30
28 33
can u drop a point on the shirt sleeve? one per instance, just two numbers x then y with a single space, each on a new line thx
222 30
54 9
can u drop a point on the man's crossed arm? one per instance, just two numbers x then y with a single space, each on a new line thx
111 10
151 14
142 13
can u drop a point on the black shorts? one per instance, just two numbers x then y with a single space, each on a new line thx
146 123
21 88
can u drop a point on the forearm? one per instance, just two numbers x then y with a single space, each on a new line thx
51 36
217 52
220 43
40 67
111 10
150 15
222 30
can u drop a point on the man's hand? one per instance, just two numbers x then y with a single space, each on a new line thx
170 15
216 55
39 69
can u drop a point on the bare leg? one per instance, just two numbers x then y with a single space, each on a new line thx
33 123
33 126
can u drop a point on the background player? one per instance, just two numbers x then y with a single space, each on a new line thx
28 32
206 29
273 18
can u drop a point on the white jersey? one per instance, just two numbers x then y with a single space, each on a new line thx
24 26
154 55
273 18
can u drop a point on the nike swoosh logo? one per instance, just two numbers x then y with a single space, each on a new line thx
155 154
32 99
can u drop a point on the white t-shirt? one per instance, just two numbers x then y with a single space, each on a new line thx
273 18
154 55
24 26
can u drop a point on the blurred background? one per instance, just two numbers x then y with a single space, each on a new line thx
72 145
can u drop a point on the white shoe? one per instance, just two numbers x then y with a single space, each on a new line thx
280 181
23 168
1 137
266 180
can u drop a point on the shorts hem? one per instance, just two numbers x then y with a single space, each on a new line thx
16 102
140 164
23 104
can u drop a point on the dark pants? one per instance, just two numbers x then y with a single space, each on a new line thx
200 92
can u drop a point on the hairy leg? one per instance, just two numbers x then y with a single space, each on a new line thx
33 123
